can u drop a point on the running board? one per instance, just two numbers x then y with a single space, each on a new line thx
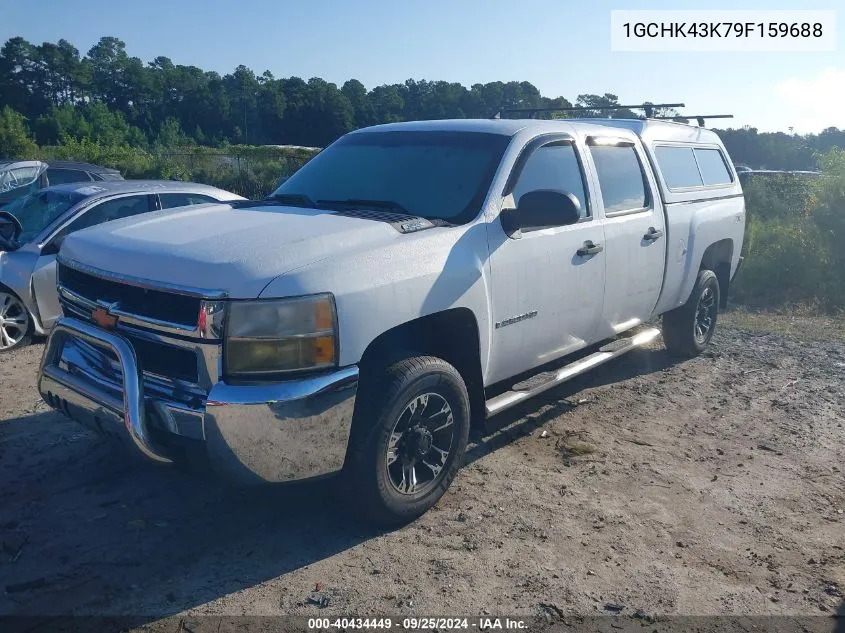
546 380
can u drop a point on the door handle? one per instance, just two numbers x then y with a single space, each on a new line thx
653 234
589 249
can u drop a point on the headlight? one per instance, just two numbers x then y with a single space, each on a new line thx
268 337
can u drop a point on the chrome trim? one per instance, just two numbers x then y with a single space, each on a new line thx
624 212
210 319
209 353
172 402
139 282
284 431
508 399
712 199
88 395
253 433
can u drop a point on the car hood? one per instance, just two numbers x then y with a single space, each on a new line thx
234 248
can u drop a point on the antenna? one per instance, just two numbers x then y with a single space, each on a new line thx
648 107
684 118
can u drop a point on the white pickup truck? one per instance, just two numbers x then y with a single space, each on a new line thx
411 280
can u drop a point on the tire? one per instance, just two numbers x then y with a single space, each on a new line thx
15 322
400 415
688 330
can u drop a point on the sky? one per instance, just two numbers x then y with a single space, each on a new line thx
560 46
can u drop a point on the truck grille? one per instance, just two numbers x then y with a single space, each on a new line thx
153 304
165 360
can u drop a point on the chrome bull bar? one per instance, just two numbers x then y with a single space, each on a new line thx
52 379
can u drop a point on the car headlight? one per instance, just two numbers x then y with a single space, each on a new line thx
265 337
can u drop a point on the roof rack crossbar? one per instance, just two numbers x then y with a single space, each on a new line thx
648 107
682 118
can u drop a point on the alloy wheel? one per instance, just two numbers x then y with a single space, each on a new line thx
705 314
14 320
420 444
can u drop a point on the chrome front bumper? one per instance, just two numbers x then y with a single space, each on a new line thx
284 431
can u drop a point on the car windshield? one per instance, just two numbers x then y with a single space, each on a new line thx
39 209
435 175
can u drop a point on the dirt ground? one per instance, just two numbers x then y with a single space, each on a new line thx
711 486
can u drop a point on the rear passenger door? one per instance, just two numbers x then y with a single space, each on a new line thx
634 231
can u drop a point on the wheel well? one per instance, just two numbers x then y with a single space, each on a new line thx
717 258
451 335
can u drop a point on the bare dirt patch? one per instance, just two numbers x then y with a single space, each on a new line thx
711 486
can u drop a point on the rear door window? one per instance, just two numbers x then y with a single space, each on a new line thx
170 200
621 178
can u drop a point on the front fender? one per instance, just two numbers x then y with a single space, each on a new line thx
16 275
376 290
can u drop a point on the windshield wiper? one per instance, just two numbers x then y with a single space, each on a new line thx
366 204
300 199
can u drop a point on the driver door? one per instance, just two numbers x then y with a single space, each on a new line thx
547 285
44 279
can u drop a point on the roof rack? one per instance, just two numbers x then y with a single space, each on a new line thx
648 107
684 118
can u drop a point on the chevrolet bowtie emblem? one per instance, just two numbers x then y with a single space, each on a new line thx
104 318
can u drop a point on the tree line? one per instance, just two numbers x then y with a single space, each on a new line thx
108 97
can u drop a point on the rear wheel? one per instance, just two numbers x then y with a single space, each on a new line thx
688 330
408 441
15 324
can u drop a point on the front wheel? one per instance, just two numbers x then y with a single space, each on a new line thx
15 326
688 330
408 441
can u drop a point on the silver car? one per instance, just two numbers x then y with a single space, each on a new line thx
29 301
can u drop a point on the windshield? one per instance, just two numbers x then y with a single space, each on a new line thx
435 175
39 209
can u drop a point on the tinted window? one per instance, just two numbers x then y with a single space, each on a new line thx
552 167
170 200
110 210
620 178
61 176
106 175
712 165
678 166
442 175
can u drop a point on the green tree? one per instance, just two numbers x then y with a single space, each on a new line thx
14 136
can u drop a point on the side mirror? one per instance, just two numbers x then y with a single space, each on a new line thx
542 209
52 247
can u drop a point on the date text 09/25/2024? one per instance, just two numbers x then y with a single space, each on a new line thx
418 623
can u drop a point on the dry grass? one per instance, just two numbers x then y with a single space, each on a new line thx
798 323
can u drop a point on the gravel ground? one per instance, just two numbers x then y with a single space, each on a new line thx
711 486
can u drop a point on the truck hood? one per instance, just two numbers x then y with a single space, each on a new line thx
225 247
